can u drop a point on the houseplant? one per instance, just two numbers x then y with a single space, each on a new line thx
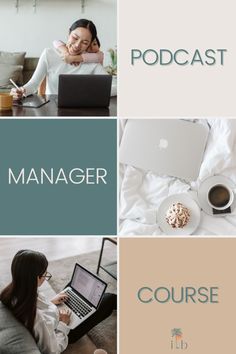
112 68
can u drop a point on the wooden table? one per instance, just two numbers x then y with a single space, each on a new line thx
50 109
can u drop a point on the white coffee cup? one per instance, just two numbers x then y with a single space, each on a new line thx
220 196
100 351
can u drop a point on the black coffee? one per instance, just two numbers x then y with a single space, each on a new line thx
219 196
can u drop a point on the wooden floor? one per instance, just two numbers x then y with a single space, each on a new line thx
53 247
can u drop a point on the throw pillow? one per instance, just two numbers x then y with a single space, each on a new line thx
8 71
13 58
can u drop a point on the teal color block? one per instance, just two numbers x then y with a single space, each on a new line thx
61 209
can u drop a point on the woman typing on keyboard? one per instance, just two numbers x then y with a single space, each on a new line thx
47 323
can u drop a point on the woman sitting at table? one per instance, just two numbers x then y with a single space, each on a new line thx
81 35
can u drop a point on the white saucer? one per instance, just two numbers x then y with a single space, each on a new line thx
194 214
204 188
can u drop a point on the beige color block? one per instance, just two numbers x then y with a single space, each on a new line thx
207 328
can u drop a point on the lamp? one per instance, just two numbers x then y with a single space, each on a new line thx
82 6
17 5
35 5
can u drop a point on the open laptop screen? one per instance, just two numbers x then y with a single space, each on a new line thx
88 285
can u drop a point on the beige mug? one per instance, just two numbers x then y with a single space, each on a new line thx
100 351
6 101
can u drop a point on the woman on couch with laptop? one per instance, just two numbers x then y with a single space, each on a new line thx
47 323
82 34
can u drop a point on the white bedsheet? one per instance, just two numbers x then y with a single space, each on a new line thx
141 192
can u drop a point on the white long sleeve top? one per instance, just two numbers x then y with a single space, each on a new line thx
51 65
51 334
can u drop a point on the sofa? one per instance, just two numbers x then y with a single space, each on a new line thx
28 68
15 66
14 337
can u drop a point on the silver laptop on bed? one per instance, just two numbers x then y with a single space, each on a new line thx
85 292
165 146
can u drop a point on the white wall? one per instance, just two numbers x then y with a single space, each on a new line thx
31 31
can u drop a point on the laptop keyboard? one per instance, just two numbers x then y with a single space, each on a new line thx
77 305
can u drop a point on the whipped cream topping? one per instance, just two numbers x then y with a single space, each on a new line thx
177 216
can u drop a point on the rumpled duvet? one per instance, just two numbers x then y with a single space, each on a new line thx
141 192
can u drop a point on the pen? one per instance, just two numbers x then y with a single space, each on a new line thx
13 83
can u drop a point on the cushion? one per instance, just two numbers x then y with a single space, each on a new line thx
8 71
13 59
14 337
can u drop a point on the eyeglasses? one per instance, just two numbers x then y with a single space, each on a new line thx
47 276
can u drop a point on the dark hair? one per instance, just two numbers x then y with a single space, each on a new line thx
20 296
98 42
85 24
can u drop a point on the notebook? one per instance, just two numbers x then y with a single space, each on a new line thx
32 101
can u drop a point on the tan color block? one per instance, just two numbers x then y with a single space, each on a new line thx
207 328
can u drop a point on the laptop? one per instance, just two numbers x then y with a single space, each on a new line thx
80 91
85 292
32 101
165 146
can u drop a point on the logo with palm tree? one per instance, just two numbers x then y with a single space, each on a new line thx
177 341
177 333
